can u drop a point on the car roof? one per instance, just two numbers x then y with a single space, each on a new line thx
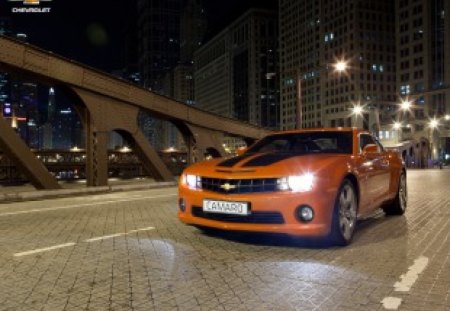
326 129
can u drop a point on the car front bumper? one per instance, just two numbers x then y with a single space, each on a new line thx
281 205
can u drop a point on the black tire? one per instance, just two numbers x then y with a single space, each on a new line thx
344 215
398 206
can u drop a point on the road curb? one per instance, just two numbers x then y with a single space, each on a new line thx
48 194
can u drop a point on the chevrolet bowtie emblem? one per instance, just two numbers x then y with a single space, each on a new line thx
227 187
30 2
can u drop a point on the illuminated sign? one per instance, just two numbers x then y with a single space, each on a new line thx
7 110
30 2
36 8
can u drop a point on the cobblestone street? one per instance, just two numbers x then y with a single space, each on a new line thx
128 251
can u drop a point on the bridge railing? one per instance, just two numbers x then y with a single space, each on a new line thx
71 165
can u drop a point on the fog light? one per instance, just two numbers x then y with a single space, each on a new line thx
305 213
182 204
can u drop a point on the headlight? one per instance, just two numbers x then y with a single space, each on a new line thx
193 181
301 183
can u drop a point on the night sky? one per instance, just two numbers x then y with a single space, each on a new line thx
93 32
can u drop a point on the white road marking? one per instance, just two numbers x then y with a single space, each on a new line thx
117 234
104 237
407 280
40 250
391 303
85 204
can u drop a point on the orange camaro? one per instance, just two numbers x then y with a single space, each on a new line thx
306 182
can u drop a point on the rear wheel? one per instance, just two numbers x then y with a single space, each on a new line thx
398 206
344 215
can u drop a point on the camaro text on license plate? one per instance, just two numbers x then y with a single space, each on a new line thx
225 207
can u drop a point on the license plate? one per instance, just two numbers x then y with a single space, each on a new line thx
226 207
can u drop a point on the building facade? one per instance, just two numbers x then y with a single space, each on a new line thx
423 70
315 35
158 39
236 72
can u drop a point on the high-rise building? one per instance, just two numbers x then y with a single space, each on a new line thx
423 67
314 35
158 39
236 72
5 29
47 128
193 28
67 129
158 52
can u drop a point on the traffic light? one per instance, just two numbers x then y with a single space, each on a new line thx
7 110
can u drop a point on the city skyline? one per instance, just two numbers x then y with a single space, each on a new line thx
312 36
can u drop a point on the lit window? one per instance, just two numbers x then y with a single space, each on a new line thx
329 37
405 89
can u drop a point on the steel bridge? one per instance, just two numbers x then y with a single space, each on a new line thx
106 103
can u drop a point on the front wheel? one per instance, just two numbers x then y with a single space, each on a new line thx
398 206
344 215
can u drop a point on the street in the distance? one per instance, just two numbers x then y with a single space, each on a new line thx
128 251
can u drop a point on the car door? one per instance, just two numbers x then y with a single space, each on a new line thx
376 172
385 172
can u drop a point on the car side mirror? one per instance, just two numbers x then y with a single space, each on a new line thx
241 150
370 149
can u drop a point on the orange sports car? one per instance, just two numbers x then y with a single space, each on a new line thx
314 183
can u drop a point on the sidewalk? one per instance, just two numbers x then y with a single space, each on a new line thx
27 192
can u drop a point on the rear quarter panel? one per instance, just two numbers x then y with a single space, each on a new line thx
396 165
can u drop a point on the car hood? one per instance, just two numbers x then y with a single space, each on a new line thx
265 165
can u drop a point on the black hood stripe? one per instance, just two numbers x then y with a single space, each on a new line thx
233 161
269 159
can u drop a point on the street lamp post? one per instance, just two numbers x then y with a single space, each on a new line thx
299 108
397 127
433 125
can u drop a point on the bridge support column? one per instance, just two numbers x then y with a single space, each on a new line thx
16 150
152 163
204 141
96 155
104 115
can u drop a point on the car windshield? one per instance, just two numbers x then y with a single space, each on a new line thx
306 142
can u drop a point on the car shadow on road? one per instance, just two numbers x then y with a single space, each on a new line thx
266 239
368 230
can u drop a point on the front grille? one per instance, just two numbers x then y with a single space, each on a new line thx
239 185
253 218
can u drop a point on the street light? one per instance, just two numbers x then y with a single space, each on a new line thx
357 111
434 123
405 105
339 66
397 125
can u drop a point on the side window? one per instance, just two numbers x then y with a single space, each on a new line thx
380 146
365 140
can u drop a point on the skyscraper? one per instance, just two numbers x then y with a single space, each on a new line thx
5 29
47 128
236 72
423 53
158 39
314 35
193 28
